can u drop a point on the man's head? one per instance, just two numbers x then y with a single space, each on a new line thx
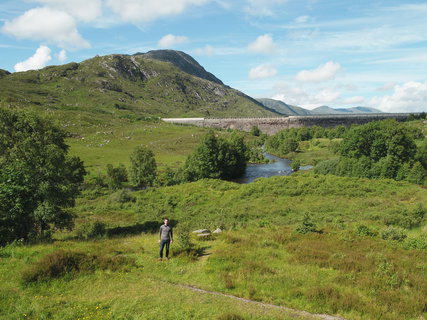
166 221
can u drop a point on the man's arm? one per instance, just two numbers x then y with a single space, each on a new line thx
160 233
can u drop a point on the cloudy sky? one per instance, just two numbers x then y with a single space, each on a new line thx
304 52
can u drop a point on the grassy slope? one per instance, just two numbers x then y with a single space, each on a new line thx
99 145
259 257
123 86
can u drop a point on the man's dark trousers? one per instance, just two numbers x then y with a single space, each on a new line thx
164 243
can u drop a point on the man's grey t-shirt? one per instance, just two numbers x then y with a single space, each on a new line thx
165 232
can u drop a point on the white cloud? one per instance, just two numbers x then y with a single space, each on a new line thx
324 72
84 10
47 25
354 100
62 56
37 61
170 40
301 19
408 97
326 96
263 44
149 10
301 97
205 51
262 7
387 86
262 71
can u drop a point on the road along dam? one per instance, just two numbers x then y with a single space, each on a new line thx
273 125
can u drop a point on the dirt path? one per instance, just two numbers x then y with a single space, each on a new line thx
289 311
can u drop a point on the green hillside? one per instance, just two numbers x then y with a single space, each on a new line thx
125 86
349 258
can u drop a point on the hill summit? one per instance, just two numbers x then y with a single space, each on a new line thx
161 83
182 61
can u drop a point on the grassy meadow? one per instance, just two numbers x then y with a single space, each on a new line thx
335 268
350 247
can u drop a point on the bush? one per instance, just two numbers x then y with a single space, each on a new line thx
326 167
416 243
393 233
61 263
123 196
96 229
289 145
405 218
116 176
295 165
143 167
307 225
255 131
362 230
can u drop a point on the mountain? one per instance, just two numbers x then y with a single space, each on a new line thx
289 110
162 83
328 110
182 61
365 110
354 110
3 73
283 108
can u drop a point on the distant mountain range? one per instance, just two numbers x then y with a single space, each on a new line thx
290 110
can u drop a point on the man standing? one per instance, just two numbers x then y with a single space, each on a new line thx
165 238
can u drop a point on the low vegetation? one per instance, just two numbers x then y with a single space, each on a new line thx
349 246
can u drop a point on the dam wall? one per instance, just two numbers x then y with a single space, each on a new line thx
273 125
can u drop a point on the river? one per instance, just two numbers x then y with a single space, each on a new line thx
278 167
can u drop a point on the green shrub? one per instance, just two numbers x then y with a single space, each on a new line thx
98 229
393 233
295 165
326 167
362 230
61 263
123 196
95 229
419 243
116 176
185 245
307 225
405 218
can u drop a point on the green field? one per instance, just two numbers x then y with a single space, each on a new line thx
351 247
260 256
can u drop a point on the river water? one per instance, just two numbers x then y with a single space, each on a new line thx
278 167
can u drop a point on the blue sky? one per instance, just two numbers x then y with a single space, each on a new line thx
303 52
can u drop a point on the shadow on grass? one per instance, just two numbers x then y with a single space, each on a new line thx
194 252
146 227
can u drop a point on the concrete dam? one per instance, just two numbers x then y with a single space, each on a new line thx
273 125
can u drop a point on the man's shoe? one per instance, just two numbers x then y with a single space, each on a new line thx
167 259
159 259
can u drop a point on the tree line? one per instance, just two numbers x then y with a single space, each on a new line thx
379 149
